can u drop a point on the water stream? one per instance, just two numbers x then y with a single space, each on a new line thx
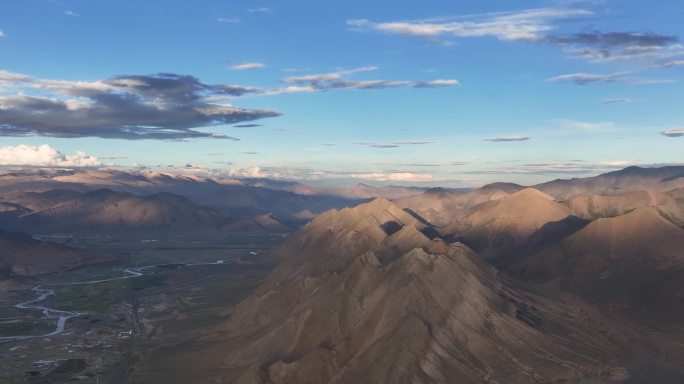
62 316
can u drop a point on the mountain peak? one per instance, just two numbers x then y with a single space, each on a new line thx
506 187
531 194
379 213
438 192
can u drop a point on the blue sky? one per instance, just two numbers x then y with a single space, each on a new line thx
391 92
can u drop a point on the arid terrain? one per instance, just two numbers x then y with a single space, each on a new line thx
342 192
118 277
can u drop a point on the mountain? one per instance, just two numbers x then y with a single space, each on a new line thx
304 214
231 196
634 262
364 191
442 207
107 210
22 255
592 207
266 223
362 296
357 192
625 180
500 227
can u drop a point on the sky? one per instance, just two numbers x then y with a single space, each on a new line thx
439 93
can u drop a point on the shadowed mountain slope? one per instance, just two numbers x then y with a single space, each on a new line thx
103 209
358 300
634 261
23 255
500 227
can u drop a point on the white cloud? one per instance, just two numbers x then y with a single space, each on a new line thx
616 163
672 63
653 81
253 172
526 25
439 83
393 144
9 79
588 78
287 173
677 132
339 80
44 156
71 13
2 34
330 76
617 100
503 139
395 176
244 66
289 89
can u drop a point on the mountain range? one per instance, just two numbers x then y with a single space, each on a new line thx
570 281
363 295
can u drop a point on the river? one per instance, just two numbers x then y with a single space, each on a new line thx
62 316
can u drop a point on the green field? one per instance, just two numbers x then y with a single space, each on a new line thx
89 297
19 328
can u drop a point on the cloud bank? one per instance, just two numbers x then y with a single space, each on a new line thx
287 173
164 106
339 80
612 46
540 25
44 156
526 25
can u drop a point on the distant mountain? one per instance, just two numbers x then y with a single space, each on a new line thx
442 207
364 191
592 207
104 210
361 295
266 223
232 197
22 255
625 180
358 192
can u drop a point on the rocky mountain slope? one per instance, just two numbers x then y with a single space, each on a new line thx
22 255
362 296
634 261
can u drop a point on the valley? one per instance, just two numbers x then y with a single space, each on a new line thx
88 324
